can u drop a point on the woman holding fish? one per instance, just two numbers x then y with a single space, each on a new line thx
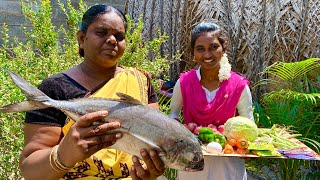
212 94
59 148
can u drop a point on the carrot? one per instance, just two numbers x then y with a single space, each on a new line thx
243 151
232 142
242 143
228 149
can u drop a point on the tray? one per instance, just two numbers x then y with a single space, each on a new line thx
302 153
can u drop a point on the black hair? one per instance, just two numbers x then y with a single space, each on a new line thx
208 26
94 11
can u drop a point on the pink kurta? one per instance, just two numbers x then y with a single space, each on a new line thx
197 109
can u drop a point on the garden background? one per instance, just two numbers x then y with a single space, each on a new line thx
261 32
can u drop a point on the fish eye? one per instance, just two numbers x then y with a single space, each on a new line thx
196 158
179 141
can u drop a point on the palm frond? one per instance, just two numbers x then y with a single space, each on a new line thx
292 72
312 98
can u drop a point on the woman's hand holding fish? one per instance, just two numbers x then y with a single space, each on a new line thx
152 168
84 139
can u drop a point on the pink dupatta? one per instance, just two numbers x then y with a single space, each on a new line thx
220 109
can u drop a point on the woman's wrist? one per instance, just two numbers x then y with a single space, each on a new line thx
56 162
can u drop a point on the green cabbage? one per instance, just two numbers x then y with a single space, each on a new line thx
240 127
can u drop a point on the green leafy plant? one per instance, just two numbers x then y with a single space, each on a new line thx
34 59
292 100
43 34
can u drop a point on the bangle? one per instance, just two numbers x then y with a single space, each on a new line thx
55 161
51 161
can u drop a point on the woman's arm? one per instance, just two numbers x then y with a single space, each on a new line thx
244 105
176 101
81 141
34 159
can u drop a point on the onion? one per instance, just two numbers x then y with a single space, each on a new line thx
196 130
192 126
221 129
214 147
213 127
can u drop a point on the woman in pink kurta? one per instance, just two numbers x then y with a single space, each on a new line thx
196 107
212 94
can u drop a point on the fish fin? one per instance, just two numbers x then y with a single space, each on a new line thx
74 116
23 106
129 99
132 144
150 143
30 91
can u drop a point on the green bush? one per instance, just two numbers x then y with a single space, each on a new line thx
138 51
293 101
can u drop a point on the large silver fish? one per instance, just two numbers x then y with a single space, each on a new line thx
141 125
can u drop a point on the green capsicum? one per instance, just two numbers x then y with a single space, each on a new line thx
219 138
206 135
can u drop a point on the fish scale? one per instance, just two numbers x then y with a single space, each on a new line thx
141 125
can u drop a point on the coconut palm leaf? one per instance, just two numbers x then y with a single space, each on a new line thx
312 98
290 75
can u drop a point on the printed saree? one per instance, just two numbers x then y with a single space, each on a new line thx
111 164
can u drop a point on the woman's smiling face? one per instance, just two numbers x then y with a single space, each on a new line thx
104 41
208 50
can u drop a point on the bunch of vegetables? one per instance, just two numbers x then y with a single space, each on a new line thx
278 136
239 146
241 135
240 131
210 135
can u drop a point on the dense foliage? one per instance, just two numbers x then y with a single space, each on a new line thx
293 100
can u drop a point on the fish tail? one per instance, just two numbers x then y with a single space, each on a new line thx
23 106
31 92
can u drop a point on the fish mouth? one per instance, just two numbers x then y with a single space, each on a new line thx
198 166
